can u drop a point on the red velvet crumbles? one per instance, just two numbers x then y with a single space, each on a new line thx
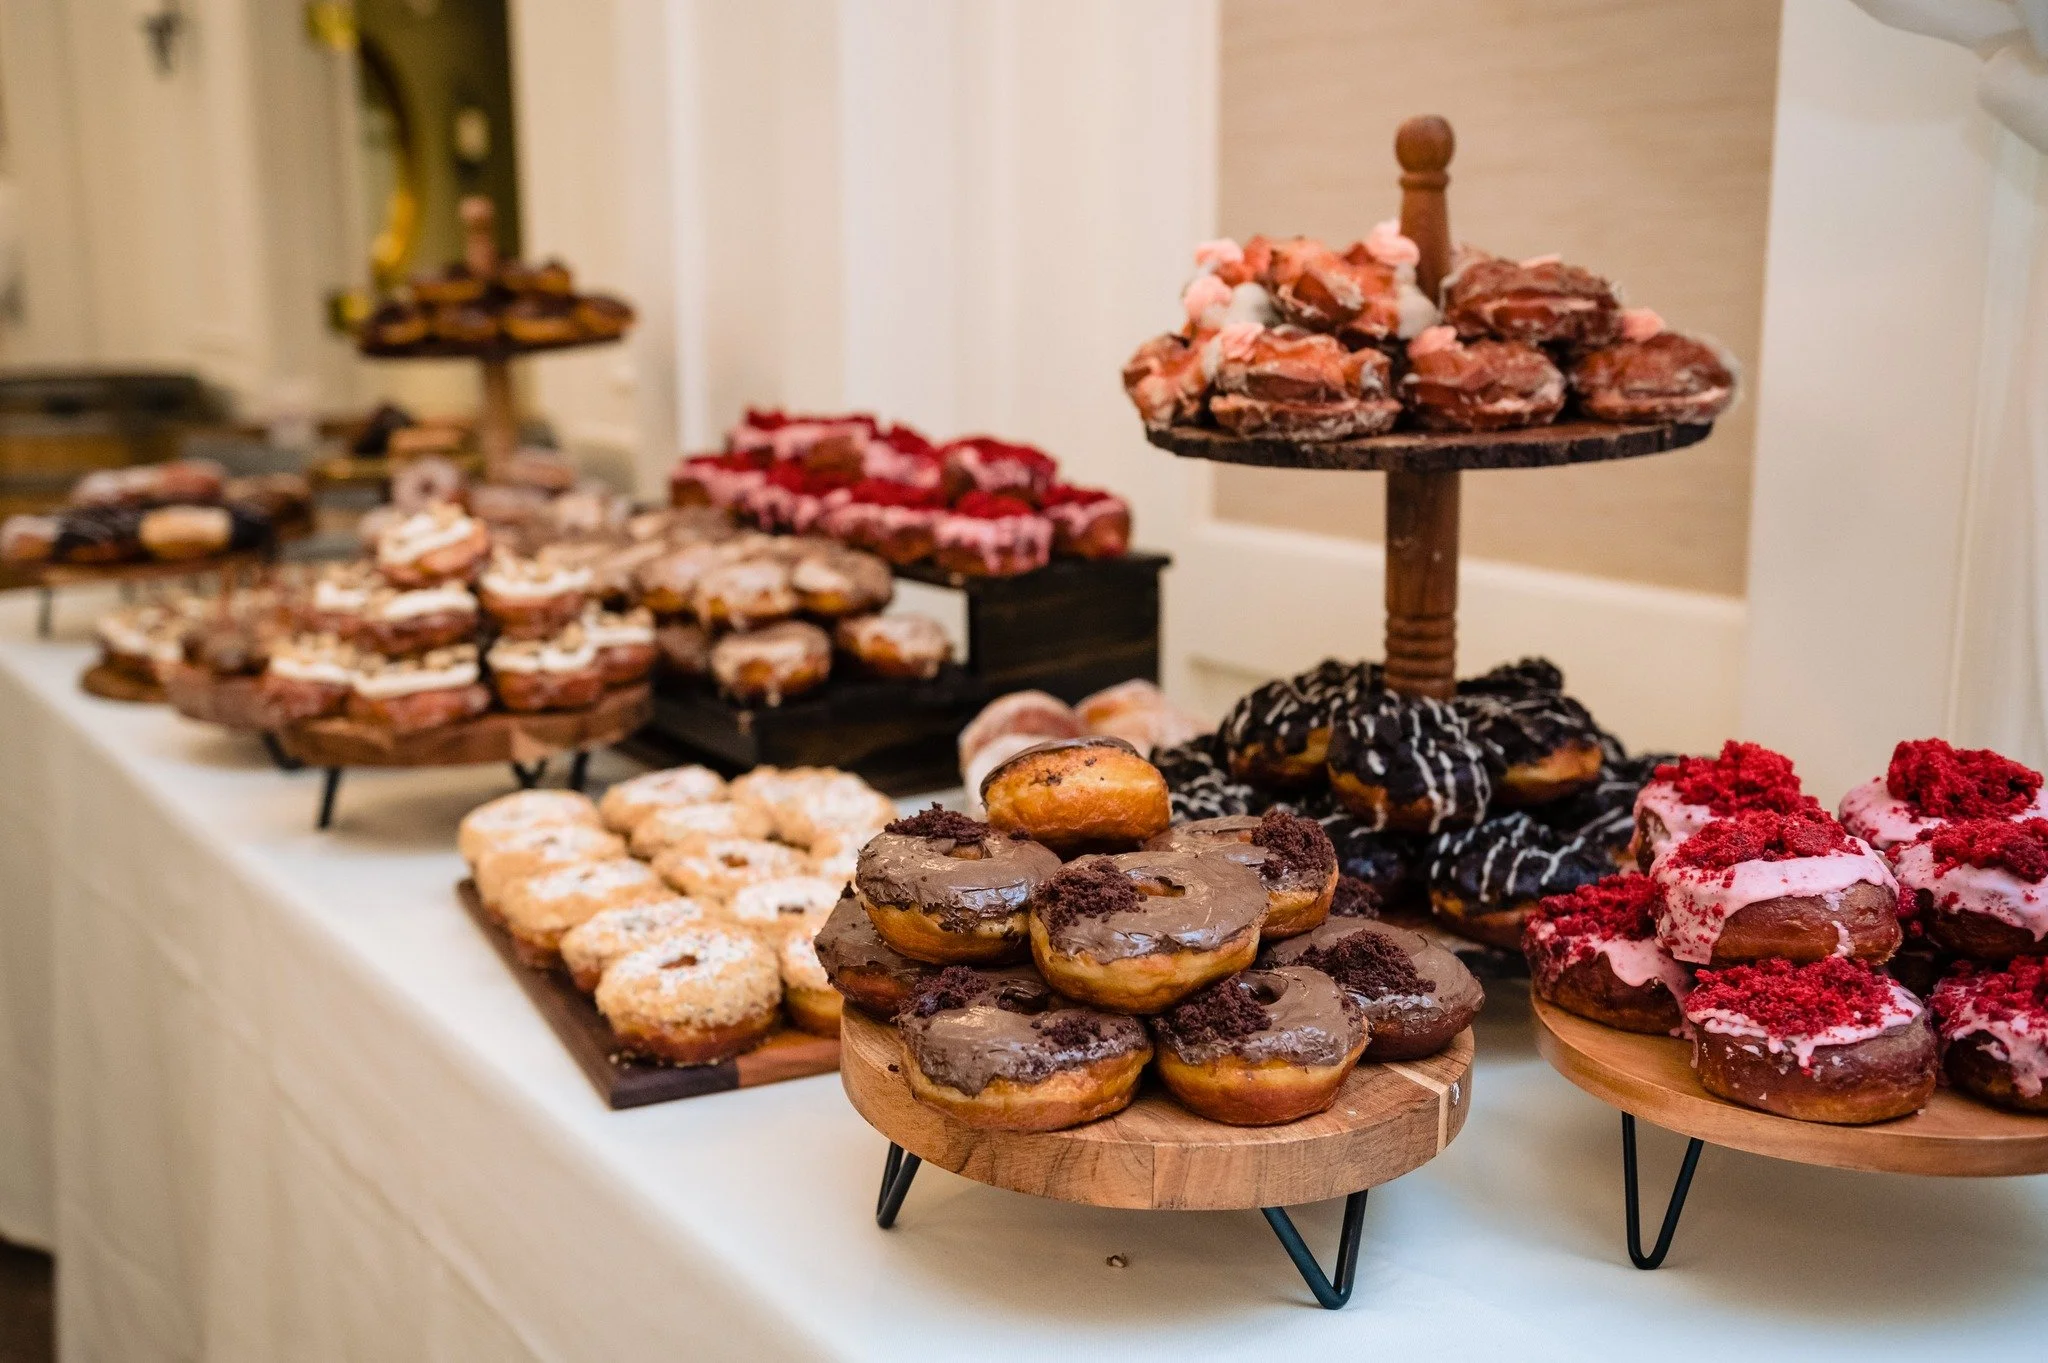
1788 1001
1761 835
1743 776
1942 782
2017 846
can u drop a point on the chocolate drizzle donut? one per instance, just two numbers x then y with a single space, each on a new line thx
1484 880
1395 865
1415 994
1261 1047
1199 784
1539 743
1279 734
1408 763
942 887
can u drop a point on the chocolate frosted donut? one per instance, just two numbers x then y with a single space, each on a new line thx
874 976
1279 734
1484 880
942 887
1408 763
1416 995
1539 743
1261 1047
98 534
1291 855
1077 794
1395 865
1140 931
1199 784
1006 1053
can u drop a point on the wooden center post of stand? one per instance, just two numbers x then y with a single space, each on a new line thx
497 426
1422 508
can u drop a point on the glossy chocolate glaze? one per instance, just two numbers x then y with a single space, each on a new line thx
1188 901
1004 1034
1451 988
994 878
1308 1021
1282 715
1418 750
848 941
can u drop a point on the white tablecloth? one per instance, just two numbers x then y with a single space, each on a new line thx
301 1111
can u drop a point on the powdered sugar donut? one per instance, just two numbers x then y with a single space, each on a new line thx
814 1005
483 826
783 905
717 868
524 853
540 908
681 826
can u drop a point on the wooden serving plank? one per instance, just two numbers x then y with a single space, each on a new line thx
1567 442
502 348
623 1081
499 736
1388 1120
1649 1077
110 683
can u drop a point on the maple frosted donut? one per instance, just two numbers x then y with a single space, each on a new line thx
307 677
560 673
1261 1047
944 888
1140 931
1979 886
1684 796
1538 301
1994 1032
840 581
484 825
1653 375
906 647
1416 996
398 623
1077 793
626 651
701 996
440 544
1759 884
1292 857
1829 1041
685 826
633 799
814 1005
1594 952
530 598
1407 763
540 908
1928 783
770 665
1540 745
783 905
715 869
525 852
872 975
407 695
1484 880
590 948
1003 1052
744 595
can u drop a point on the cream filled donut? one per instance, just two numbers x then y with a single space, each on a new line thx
540 908
483 827
715 869
307 677
700 996
1980 886
397 623
438 544
1994 1032
1759 884
1929 783
524 853
1684 796
590 948
633 799
784 904
532 598
685 826
410 694
1594 952
626 651
559 673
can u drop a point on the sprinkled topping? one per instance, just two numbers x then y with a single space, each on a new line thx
1085 890
1787 1001
2017 846
1761 835
1940 781
1743 776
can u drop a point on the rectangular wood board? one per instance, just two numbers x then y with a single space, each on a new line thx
625 1082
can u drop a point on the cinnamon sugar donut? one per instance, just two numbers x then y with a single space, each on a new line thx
1594 952
1994 1032
1261 1047
1416 995
698 997
633 799
944 888
483 826
768 666
540 908
1292 857
590 948
1980 886
689 826
716 868
1929 783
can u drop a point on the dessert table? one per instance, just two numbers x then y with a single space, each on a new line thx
269 1093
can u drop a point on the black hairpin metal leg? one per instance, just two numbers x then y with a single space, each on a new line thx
1633 1198
529 777
329 784
45 607
899 1167
1329 1295
579 769
284 760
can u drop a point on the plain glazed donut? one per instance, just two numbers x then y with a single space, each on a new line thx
1994 1032
1261 1047
1408 763
1139 932
1077 793
589 948
1980 886
1594 952
872 975
1416 995
698 997
1291 855
944 888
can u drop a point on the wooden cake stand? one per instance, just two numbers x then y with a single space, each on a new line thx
111 683
1649 1077
232 703
1388 1120
524 742
51 576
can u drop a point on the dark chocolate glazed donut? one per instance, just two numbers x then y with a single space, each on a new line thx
1288 1014
1199 784
1416 995
1408 762
1539 743
1483 880
1186 901
969 1028
1279 733
1396 865
97 534
874 976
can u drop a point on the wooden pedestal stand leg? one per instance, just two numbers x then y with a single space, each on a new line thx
497 427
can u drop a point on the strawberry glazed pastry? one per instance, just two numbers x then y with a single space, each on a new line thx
984 464
1930 783
561 673
1684 796
401 622
896 520
410 694
1284 381
308 677
1538 301
990 535
1977 886
1760 884
720 480
1594 952
901 454
626 651
1456 385
532 598
1651 374
1994 1032
792 497
1088 522
1832 1041
440 544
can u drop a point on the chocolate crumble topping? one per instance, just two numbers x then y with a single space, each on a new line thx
1354 899
954 987
936 823
1084 890
1297 843
1072 1029
1222 1012
1368 964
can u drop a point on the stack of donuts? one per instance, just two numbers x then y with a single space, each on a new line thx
182 511
976 506
1471 808
1035 964
1295 340
1136 711
1770 933
685 905
520 305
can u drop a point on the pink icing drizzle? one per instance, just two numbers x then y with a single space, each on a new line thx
1988 890
1386 245
2015 1041
1883 820
1204 291
1640 324
1899 1010
1699 900
1431 341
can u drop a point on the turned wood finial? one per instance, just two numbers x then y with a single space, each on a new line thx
1423 145
479 234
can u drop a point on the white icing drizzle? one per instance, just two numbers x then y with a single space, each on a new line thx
448 599
441 669
569 651
437 527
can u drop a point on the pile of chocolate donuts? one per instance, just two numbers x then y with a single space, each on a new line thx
1037 963
176 512
976 506
518 305
1827 969
1470 809
1295 340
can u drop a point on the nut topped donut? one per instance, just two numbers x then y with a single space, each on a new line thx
944 888
1291 855
1077 793
1684 796
1594 952
1279 734
1980 886
874 976
1003 1052
1539 743
1830 1041
1141 931
439 544
1261 1047
1759 884
1929 783
1416 995
1408 763
1994 1032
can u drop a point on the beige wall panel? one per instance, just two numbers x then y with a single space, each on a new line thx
1633 136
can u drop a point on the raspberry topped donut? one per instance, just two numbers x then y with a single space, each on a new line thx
1539 743
991 534
1415 994
1760 884
1001 1051
945 888
1684 796
1141 931
1291 855
1077 793
1539 301
1594 952
1454 385
1408 763
983 463
1994 1032
1651 374
1279 734
1831 1041
899 521
1980 886
1262 1047
1929 783
1088 522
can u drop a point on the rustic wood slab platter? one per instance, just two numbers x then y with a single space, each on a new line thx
623 1081
499 736
231 702
145 570
1648 1077
110 683
1387 1121
1567 442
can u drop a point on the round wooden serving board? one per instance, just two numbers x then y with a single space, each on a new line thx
499 736
1567 442
1387 1121
1649 1077
110 683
